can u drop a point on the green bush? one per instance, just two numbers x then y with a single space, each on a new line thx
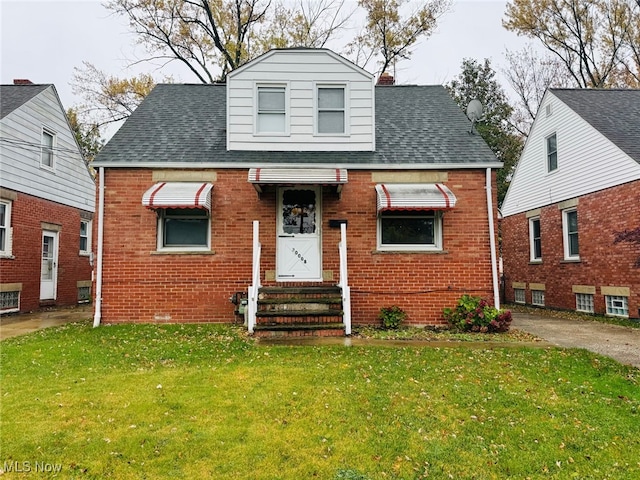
474 314
392 317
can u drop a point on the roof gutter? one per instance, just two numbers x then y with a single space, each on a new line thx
492 242
98 305
350 166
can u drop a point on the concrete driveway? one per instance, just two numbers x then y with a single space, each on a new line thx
14 325
620 343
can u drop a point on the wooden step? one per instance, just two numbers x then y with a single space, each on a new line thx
300 330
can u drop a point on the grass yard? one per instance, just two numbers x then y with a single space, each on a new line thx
202 401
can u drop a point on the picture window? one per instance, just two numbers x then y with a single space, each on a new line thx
184 229
410 230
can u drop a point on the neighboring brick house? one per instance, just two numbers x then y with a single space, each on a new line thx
298 143
577 184
47 200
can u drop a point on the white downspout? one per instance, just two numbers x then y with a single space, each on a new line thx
492 242
98 306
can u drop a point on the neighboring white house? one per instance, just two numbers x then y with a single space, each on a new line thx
46 202
577 186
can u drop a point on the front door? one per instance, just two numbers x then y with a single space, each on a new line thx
299 220
49 265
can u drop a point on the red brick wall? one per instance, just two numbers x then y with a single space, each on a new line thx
601 263
140 285
27 214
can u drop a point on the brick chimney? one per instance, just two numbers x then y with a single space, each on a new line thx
386 79
22 81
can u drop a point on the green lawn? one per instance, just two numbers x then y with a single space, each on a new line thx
146 401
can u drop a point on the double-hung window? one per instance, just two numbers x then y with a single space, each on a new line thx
5 228
535 243
85 237
272 110
552 153
47 149
184 229
570 234
331 114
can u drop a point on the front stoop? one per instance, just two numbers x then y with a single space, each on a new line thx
299 312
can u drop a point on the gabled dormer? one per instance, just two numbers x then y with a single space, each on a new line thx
300 100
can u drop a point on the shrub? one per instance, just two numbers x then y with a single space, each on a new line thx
392 317
474 314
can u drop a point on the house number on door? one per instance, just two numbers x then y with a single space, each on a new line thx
299 255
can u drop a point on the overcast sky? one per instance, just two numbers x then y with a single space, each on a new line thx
44 40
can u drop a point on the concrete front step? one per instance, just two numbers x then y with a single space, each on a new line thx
300 330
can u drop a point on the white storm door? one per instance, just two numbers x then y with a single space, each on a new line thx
298 244
49 265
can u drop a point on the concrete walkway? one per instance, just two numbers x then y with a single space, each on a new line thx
14 325
620 343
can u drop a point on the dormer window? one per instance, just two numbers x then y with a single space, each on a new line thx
331 110
272 110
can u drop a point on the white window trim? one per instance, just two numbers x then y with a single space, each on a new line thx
182 248
287 109
54 141
7 252
88 250
347 109
532 250
437 236
625 301
565 235
547 153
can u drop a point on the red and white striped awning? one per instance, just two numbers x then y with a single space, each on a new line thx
414 196
178 195
317 176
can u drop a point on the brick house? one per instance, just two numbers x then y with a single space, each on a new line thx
298 187
47 200
576 185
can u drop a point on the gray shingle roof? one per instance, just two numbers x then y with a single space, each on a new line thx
187 124
14 96
614 113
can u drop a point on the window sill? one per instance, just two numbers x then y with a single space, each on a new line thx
7 256
84 254
570 260
183 252
535 262
410 252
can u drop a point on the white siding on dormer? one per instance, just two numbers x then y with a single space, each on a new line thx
69 182
302 71
587 161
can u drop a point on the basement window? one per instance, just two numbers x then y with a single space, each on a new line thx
9 301
617 306
519 295
584 302
537 298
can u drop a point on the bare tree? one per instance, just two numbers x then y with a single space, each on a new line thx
530 75
595 40
390 36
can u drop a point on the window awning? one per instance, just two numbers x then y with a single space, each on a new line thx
178 195
284 176
429 196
